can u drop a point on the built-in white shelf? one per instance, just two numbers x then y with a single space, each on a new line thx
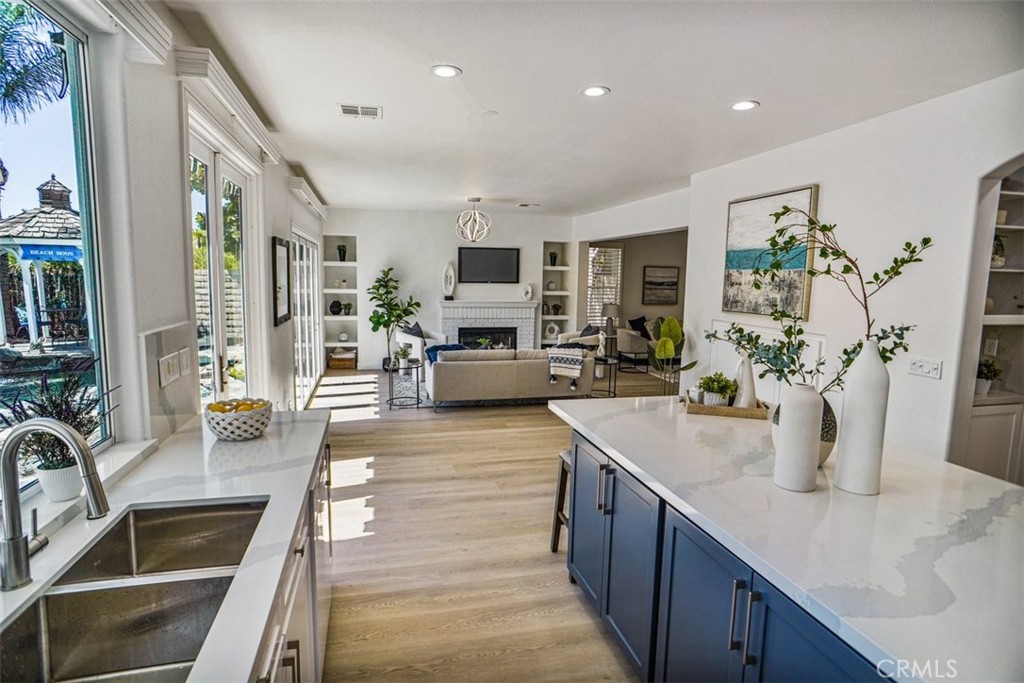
993 271
560 268
1009 228
341 264
1011 194
556 292
1008 320
335 318
998 398
341 291
341 345
554 317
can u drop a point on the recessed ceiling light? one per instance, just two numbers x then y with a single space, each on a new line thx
446 71
595 91
746 105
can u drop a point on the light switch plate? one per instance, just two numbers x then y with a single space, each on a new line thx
185 361
169 369
925 367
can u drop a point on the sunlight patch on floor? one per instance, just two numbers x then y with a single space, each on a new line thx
351 414
350 518
351 472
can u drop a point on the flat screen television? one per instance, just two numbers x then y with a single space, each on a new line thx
486 264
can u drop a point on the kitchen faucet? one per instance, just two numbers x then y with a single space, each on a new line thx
16 548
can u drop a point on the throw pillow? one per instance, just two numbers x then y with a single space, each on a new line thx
589 331
432 351
640 325
415 330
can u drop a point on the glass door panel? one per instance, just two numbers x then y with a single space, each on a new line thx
199 198
233 285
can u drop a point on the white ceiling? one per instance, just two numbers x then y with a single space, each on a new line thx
673 67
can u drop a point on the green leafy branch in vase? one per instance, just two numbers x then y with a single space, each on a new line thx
784 358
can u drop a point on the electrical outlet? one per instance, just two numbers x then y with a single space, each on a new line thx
991 346
169 369
185 361
925 367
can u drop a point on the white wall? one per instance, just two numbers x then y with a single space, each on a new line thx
418 244
668 211
894 178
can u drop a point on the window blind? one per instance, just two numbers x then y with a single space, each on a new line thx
604 281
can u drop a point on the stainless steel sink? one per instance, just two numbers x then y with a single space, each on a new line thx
139 602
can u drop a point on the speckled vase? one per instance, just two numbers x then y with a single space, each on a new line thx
796 450
829 430
865 399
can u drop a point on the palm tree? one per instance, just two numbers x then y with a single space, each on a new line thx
32 70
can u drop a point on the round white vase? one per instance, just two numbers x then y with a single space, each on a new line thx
982 386
862 430
745 392
796 452
60 485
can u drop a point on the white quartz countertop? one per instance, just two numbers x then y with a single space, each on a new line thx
194 466
929 571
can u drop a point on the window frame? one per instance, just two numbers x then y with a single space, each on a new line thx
592 316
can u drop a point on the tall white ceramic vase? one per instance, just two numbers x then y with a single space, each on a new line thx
746 396
862 430
796 451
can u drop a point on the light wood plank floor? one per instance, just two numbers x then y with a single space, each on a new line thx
442 569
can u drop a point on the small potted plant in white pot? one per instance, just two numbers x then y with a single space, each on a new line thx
717 388
988 372
402 355
73 403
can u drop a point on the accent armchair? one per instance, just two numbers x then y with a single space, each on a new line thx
633 348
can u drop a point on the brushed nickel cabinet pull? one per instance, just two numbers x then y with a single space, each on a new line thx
600 486
737 586
749 659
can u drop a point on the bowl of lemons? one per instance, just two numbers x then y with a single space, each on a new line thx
238 419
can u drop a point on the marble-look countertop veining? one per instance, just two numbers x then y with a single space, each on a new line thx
930 571
191 466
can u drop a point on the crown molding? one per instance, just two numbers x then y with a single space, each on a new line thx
151 35
200 65
301 189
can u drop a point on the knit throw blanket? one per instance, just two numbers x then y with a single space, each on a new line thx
566 362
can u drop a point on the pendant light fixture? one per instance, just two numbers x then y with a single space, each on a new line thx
472 224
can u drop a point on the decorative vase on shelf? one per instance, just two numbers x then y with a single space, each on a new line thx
746 396
796 452
346 308
342 252
990 305
556 309
859 449
335 307
343 337
60 485
827 437
553 258
550 285
551 331
982 386
344 284
545 309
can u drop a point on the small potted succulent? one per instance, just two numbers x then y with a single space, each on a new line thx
988 372
402 354
717 388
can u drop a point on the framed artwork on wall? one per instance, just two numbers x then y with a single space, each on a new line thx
661 285
281 266
749 226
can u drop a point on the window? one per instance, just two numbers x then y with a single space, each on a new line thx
604 280
49 268
305 290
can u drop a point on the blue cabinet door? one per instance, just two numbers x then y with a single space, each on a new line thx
702 606
630 583
789 645
587 519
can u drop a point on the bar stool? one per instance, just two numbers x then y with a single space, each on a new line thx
561 515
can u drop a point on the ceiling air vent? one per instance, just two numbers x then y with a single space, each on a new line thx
361 112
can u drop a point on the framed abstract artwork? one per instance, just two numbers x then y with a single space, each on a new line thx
281 266
661 285
749 226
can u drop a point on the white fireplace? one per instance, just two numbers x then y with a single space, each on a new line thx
522 315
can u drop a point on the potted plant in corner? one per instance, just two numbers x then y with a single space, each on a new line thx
988 372
69 400
390 312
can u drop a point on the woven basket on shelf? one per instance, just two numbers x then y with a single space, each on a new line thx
239 426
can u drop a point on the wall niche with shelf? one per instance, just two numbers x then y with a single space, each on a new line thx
556 291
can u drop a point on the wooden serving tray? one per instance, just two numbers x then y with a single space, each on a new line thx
761 412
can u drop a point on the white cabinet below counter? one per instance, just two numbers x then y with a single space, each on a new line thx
995 440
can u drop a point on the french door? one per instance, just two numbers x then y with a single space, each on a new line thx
218 196
306 289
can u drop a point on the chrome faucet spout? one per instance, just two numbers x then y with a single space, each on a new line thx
14 547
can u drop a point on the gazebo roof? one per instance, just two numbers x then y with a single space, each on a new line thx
52 220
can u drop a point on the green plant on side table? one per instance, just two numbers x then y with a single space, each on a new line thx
988 372
390 311
66 398
717 388
665 353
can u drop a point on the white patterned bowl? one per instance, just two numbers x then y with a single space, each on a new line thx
239 426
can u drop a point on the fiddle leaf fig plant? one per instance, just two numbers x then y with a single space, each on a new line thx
390 310
783 358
